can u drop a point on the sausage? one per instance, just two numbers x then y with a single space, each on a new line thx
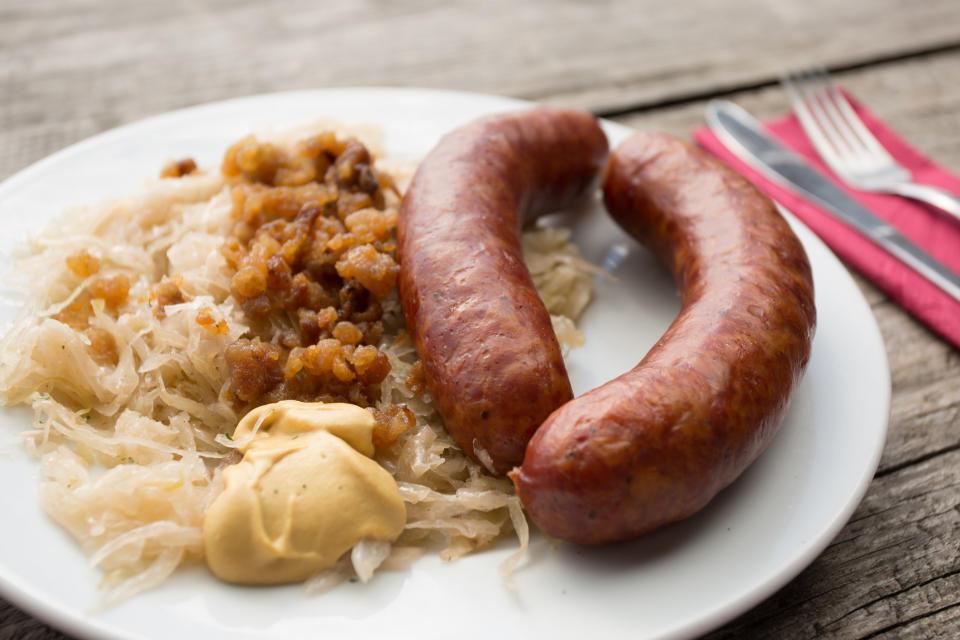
491 359
657 443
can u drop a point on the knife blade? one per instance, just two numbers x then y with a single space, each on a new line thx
747 138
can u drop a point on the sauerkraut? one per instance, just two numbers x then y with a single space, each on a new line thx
132 401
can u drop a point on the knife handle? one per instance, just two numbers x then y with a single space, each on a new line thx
921 262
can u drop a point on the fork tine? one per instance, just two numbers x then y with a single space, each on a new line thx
807 121
853 120
820 109
854 145
811 121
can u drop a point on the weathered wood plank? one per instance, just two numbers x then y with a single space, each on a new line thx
69 70
918 97
942 623
928 610
17 625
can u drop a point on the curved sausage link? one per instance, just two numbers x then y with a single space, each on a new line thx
657 443
491 358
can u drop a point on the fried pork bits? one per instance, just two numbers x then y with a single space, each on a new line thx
312 246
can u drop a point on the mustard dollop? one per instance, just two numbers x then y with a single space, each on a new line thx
305 492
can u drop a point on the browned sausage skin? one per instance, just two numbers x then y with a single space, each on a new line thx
491 358
657 443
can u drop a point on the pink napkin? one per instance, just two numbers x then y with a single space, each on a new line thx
934 231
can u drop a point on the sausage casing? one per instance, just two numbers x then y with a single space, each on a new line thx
491 359
657 443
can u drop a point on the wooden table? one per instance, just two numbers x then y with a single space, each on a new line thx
69 70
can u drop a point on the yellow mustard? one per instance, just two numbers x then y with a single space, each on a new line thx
305 492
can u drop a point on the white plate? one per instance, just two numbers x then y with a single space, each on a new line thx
679 582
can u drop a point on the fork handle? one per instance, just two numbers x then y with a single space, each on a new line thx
931 195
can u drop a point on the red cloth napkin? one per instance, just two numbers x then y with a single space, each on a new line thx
934 231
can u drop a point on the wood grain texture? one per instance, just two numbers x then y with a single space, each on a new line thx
70 70
17 625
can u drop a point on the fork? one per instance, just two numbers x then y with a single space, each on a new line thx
848 147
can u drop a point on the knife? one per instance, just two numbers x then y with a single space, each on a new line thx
746 137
